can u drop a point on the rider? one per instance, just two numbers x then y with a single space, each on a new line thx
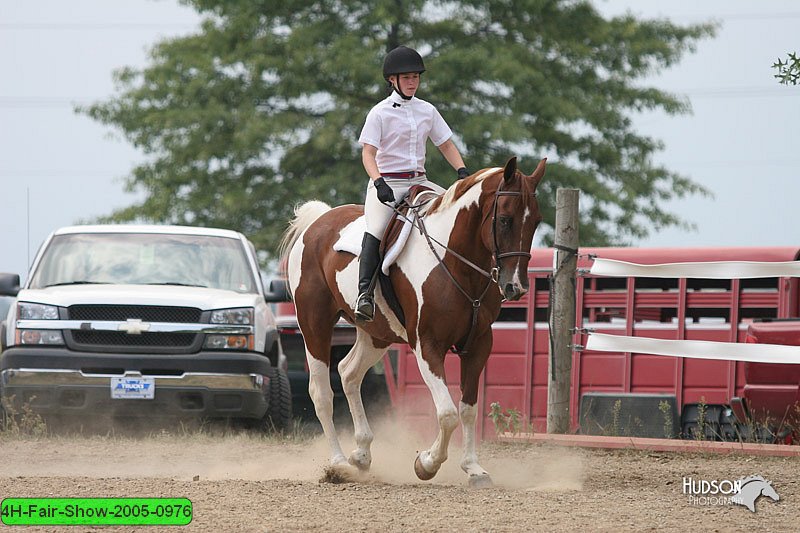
393 153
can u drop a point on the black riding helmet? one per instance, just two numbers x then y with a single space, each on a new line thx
401 60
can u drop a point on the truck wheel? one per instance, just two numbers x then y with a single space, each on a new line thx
279 412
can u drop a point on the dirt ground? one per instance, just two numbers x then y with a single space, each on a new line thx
241 482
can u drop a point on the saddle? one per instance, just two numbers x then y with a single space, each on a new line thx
394 239
417 195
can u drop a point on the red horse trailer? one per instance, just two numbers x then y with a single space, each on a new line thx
682 309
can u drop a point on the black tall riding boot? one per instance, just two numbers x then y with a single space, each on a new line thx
367 268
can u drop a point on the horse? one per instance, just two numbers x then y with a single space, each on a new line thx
449 280
753 487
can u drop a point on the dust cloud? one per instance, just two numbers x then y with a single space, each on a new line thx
249 456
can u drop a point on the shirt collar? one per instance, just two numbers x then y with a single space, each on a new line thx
395 98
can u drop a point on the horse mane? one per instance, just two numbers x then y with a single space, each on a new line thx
459 188
750 479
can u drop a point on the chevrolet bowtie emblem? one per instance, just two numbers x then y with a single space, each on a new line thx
134 326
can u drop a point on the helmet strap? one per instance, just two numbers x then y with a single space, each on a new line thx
396 86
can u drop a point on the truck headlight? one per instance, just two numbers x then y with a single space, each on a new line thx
31 311
236 316
50 337
229 342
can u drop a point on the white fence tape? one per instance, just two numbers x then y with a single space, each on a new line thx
707 270
723 351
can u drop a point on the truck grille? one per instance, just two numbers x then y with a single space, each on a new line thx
118 338
146 342
145 313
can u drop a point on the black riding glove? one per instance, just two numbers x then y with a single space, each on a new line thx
462 173
385 193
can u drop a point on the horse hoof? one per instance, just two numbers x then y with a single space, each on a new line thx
480 481
359 461
423 474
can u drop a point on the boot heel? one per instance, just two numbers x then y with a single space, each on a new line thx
365 309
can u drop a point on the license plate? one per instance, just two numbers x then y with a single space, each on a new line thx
133 388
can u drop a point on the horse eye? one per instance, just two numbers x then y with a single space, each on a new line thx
506 222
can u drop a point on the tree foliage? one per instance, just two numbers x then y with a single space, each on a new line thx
262 108
789 70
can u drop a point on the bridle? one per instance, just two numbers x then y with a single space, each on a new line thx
493 275
498 255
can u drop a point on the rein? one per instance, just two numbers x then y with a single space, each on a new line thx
492 275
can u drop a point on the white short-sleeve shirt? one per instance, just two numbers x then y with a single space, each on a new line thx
399 129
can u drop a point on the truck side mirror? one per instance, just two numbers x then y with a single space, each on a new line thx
278 291
9 284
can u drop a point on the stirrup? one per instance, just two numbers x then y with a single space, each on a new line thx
365 307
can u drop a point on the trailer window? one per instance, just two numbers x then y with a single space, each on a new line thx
655 284
715 285
763 312
513 314
759 284
605 284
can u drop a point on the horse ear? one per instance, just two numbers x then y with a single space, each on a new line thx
510 170
538 174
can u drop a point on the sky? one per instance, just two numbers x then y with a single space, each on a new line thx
58 168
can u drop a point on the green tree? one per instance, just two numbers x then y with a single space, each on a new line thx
263 106
789 70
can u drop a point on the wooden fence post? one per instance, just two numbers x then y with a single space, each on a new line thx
562 311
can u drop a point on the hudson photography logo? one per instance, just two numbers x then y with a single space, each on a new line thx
743 491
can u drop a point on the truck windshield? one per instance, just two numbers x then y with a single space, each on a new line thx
145 259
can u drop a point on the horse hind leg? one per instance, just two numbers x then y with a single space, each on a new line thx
317 331
352 370
319 388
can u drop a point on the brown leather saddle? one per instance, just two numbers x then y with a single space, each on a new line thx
399 218
390 236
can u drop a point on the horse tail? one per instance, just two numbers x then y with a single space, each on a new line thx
304 215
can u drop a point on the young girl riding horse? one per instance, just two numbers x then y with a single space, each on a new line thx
393 153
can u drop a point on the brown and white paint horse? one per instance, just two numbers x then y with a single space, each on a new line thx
488 218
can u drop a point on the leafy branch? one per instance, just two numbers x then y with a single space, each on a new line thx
789 70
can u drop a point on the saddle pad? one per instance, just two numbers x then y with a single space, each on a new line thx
353 233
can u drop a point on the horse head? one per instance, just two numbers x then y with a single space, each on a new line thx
769 491
511 214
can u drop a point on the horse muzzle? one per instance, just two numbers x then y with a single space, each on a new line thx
513 291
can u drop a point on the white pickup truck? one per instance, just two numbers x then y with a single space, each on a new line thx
135 320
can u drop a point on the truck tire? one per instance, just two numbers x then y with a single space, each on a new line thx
279 413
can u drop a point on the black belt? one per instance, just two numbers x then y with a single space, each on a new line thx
402 175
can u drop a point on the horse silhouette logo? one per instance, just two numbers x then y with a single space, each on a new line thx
752 487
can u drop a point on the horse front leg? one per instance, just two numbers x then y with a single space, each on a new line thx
431 366
352 370
471 367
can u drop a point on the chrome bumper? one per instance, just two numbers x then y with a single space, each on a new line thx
21 377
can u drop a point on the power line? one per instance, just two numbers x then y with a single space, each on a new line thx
750 16
44 101
109 26
715 16
102 26
739 92
59 173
